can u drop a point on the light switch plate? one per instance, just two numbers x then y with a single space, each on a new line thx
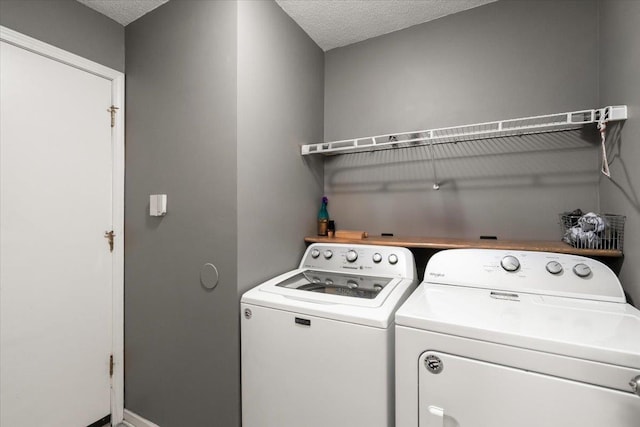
157 204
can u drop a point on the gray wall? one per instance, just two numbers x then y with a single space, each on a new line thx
68 25
181 340
280 102
504 60
215 112
203 75
620 84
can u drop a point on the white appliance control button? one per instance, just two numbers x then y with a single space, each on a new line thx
315 253
328 254
510 263
582 270
352 255
635 385
393 259
377 257
554 267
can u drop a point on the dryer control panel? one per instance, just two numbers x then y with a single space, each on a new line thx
541 273
387 261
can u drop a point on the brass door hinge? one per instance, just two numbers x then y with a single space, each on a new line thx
112 110
109 235
111 366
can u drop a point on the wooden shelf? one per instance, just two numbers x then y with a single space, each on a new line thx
448 243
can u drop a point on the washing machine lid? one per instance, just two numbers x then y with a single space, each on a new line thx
330 287
281 293
331 283
360 284
592 330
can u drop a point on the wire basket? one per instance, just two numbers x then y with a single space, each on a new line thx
591 231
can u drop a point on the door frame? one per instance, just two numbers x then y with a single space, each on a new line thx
117 143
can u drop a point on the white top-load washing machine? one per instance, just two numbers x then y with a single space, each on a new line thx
317 342
496 338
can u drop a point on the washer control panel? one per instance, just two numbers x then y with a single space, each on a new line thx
540 273
368 259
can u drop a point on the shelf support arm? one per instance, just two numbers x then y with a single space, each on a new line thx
436 185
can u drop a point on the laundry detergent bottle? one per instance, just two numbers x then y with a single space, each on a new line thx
323 218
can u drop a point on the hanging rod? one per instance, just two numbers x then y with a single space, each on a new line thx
502 128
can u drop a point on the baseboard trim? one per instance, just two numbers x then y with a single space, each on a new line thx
101 422
132 419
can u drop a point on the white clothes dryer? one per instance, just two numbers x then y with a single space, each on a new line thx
496 338
317 342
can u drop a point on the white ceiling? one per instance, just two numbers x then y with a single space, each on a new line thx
330 23
123 11
335 23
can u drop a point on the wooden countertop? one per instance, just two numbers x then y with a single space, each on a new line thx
448 243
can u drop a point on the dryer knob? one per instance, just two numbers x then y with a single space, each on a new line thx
328 254
582 270
315 253
377 257
554 267
393 259
635 385
352 255
510 263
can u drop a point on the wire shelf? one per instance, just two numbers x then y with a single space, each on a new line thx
503 128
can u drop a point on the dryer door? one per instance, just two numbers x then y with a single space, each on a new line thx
459 392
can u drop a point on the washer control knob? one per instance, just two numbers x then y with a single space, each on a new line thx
393 259
510 263
352 255
554 267
377 257
582 270
328 254
635 385
315 253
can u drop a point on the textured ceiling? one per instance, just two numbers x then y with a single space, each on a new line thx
330 23
335 23
123 11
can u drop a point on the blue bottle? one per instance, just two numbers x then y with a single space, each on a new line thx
323 218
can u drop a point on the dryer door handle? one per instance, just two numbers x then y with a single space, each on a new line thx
435 417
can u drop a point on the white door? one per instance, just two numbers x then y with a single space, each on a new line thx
55 264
